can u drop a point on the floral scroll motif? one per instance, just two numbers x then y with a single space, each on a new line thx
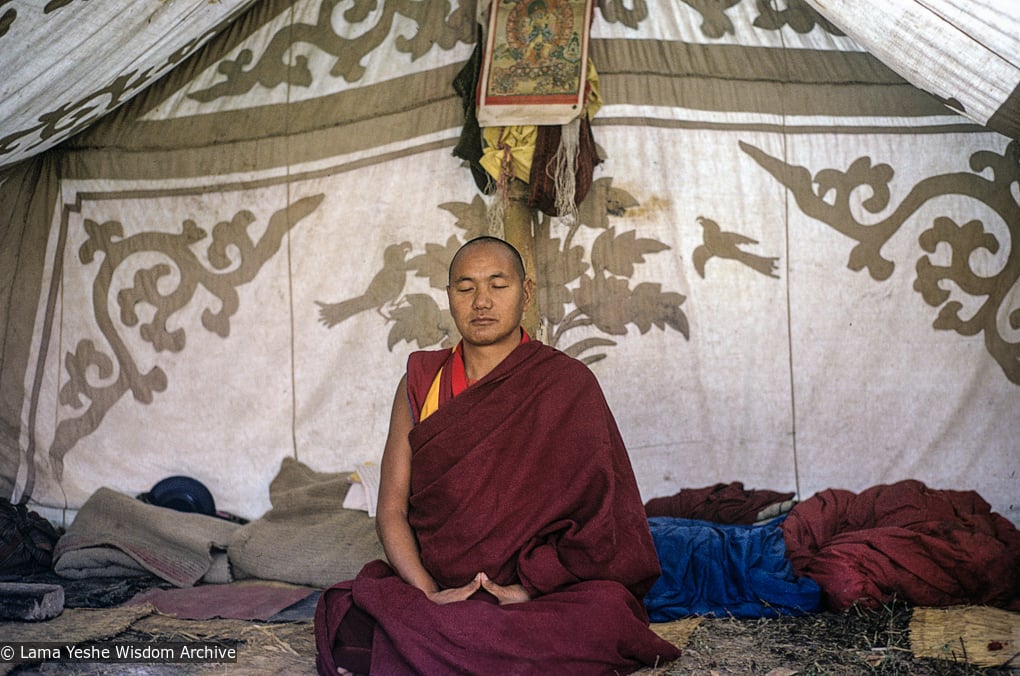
827 197
576 287
74 116
797 14
97 377
10 15
630 14
438 26
715 23
274 67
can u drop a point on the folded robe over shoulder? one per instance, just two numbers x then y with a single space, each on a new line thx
523 476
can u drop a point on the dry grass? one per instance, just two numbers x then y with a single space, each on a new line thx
856 642
859 641
286 648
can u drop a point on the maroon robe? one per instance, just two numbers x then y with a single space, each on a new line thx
523 476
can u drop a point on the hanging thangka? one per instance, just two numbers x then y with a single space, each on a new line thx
535 62
536 93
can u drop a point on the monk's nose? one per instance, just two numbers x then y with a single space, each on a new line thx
482 301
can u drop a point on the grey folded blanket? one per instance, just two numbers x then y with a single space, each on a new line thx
115 534
307 537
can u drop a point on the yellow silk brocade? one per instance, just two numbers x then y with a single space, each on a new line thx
521 139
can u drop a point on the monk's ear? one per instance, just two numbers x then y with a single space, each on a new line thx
529 291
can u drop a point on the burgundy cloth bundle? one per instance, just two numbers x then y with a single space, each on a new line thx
925 546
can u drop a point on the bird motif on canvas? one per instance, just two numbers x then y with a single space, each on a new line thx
385 287
585 281
718 243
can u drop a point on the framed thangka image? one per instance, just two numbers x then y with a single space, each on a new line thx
534 68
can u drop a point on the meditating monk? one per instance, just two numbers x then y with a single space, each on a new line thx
515 535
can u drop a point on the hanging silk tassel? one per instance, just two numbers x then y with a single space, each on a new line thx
499 202
495 212
564 170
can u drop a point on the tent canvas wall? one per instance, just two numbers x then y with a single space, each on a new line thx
795 269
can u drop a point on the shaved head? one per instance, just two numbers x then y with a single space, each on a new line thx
515 256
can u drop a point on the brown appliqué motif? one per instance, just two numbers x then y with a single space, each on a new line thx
436 29
9 16
571 292
70 118
98 377
75 116
826 196
274 66
715 23
796 14
719 243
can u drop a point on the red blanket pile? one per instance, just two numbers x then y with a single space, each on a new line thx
905 540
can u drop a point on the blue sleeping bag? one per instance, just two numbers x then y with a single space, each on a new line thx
723 570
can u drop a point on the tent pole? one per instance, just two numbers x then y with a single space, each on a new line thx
518 222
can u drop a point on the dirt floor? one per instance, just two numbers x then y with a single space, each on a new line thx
856 642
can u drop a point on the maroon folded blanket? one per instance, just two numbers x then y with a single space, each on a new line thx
928 547
721 503
247 600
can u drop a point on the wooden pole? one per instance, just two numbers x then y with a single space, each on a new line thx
518 223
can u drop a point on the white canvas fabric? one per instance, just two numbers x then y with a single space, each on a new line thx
966 52
794 268
65 66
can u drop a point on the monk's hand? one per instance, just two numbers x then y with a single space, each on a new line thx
454 594
505 594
